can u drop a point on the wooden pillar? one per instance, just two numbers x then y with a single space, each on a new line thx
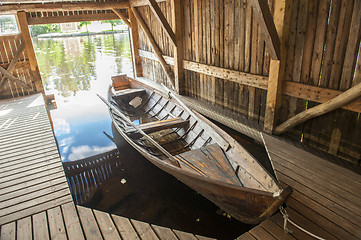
282 16
137 61
177 19
29 49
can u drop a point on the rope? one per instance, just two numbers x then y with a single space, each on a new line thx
286 219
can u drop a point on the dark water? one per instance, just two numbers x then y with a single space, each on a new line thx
75 69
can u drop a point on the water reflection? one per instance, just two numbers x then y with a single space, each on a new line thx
75 69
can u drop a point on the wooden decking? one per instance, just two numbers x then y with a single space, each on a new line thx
326 199
35 201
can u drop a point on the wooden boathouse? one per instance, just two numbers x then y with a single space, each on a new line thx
286 73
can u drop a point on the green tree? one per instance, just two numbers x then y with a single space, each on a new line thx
113 23
81 24
36 30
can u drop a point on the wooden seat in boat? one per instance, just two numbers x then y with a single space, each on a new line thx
157 126
209 161
129 93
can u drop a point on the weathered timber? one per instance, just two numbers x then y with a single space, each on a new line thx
15 79
137 62
122 15
323 108
72 18
155 47
163 21
265 20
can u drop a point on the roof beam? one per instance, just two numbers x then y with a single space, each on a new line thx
63 6
265 20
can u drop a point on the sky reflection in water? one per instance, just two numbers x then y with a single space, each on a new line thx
75 69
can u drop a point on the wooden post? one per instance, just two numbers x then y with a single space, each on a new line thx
137 61
277 67
177 14
154 45
122 16
323 108
29 49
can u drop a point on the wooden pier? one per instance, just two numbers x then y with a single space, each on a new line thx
35 201
326 200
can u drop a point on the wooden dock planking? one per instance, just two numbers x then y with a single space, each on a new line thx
326 198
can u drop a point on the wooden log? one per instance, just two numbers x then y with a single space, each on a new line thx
122 15
137 62
323 108
179 82
66 6
265 20
163 21
155 47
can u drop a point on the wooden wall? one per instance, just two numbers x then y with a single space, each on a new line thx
9 47
322 62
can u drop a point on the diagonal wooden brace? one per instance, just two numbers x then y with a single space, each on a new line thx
15 79
12 64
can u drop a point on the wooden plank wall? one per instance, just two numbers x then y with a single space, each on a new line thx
324 47
218 33
323 51
9 45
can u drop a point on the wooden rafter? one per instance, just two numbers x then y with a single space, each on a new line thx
64 6
162 20
122 15
72 18
12 64
265 20
321 109
155 47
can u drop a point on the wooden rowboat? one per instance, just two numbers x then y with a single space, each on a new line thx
191 148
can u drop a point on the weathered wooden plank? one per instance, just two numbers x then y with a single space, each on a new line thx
23 229
138 71
261 233
122 15
164 233
125 228
73 18
246 236
88 221
8 231
56 224
71 221
144 230
184 235
106 225
275 230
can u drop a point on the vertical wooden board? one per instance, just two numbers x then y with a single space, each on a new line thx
343 31
248 37
23 230
291 42
196 6
71 220
330 42
352 49
309 39
106 225
56 224
144 230
242 35
8 231
136 43
40 226
187 31
125 228
300 40
219 84
318 48
90 227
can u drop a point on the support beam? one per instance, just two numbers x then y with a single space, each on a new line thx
155 47
163 21
137 61
29 49
12 65
64 6
265 20
16 80
277 67
177 19
321 109
72 18
122 15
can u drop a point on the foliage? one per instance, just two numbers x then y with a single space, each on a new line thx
7 24
36 30
81 24
113 23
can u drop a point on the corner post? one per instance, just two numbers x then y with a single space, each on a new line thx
137 61
282 16
177 19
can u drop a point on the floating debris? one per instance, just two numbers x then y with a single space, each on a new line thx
123 181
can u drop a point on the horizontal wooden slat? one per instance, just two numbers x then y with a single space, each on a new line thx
72 18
